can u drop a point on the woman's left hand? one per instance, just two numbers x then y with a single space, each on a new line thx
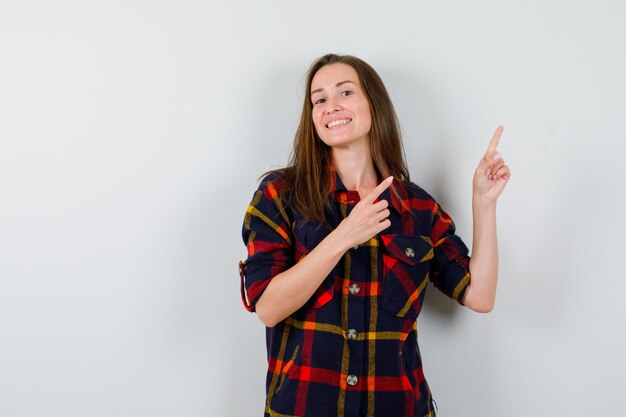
492 174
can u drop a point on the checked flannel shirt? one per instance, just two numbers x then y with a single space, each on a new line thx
352 349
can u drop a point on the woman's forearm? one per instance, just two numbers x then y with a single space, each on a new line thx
481 293
291 289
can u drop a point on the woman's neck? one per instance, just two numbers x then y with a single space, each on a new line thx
355 167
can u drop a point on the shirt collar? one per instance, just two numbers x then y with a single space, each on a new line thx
337 186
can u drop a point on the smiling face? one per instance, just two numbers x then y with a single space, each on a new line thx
341 111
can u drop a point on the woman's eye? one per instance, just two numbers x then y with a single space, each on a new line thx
346 93
318 101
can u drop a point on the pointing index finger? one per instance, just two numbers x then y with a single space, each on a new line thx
495 139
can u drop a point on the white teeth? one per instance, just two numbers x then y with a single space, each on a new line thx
338 122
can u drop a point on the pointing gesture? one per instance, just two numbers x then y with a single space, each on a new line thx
495 139
492 174
367 217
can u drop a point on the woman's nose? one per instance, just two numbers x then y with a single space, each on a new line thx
332 105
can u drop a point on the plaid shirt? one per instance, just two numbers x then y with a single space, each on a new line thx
352 349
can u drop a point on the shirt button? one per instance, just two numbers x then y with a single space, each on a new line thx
409 252
352 380
352 334
354 289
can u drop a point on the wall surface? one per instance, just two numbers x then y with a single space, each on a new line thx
132 134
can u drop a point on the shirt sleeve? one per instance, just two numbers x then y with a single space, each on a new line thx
450 265
267 234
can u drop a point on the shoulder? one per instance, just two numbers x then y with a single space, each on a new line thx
274 184
414 191
271 196
420 201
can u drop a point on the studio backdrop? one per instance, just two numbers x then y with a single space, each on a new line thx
132 136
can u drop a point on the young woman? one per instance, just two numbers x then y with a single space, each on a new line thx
340 247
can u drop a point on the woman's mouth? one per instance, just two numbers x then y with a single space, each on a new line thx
338 123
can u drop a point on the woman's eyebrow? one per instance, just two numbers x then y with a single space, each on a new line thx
337 85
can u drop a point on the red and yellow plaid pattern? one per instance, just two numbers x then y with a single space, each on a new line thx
352 349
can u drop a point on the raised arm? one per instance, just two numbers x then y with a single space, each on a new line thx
490 178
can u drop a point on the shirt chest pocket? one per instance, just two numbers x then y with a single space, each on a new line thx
406 262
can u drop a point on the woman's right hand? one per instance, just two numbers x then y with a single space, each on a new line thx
366 219
290 289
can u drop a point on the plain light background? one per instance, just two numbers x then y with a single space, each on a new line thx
132 134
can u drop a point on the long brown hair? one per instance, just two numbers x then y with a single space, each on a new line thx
307 175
